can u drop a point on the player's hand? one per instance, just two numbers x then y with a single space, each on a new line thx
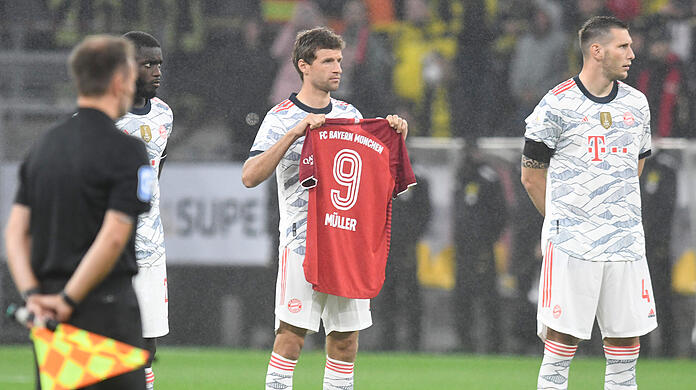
315 120
399 124
311 120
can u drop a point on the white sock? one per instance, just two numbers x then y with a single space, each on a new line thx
553 373
279 374
338 375
149 378
620 373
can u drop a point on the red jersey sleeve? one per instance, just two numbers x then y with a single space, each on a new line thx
405 177
399 162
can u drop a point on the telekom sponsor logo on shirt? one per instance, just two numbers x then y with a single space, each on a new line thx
597 146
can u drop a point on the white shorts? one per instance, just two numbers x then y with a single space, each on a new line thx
298 304
150 286
573 291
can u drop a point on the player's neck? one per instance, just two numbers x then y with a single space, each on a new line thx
139 102
313 97
101 103
595 82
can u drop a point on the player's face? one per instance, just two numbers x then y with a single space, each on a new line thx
127 89
149 61
325 71
618 54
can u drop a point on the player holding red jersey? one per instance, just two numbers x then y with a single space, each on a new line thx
317 57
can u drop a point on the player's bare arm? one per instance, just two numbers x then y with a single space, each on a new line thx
399 124
161 164
641 164
534 164
534 181
261 167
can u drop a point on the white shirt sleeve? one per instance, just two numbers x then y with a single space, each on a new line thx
270 131
545 123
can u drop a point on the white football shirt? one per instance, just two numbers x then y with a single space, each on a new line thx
152 124
292 197
593 208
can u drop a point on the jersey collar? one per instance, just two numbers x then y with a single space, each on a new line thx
94 115
597 99
311 110
142 111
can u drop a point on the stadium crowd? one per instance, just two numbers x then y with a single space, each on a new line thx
437 62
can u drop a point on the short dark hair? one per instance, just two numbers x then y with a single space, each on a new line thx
141 39
308 42
597 26
94 61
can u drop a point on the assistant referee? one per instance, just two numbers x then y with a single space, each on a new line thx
70 236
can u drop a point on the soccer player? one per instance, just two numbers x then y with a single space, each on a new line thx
278 144
585 147
150 119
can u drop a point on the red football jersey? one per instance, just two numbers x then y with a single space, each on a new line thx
353 169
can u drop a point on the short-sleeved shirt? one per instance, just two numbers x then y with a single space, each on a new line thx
76 172
153 125
352 169
292 197
593 209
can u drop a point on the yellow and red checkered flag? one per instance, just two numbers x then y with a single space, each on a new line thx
70 357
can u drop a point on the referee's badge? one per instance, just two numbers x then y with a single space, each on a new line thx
146 133
604 118
146 183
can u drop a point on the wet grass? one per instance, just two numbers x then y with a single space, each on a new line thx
217 368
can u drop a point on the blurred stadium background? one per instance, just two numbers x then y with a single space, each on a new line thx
464 73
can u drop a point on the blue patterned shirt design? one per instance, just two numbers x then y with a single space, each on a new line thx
292 197
593 204
154 128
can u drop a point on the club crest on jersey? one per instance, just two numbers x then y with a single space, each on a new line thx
605 119
294 305
557 311
145 133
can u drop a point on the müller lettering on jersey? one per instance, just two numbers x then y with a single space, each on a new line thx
338 221
348 136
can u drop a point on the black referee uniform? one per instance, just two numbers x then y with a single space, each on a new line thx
80 169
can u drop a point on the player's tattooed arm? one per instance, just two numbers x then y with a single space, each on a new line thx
534 164
534 181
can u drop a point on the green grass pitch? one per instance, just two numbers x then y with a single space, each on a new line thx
216 368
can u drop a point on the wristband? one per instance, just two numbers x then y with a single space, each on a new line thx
29 292
68 300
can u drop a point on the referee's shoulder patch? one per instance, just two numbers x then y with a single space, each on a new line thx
146 183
